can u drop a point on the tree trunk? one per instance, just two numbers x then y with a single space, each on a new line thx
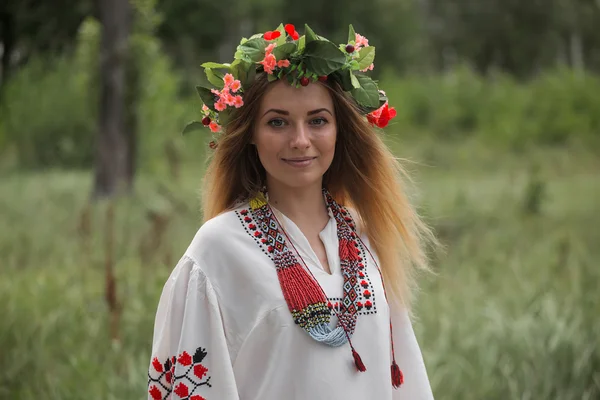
114 144
8 43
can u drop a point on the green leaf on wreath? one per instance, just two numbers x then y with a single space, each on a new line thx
343 77
244 71
282 38
351 34
216 78
310 35
367 95
354 80
253 50
365 58
301 43
207 97
192 126
323 57
215 65
282 52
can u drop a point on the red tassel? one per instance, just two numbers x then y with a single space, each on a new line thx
358 362
397 376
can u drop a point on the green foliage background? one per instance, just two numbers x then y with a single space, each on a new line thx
499 124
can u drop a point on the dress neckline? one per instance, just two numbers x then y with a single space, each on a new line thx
328 236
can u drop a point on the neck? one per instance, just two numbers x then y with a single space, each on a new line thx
299 204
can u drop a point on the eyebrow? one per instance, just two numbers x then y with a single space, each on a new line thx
283 112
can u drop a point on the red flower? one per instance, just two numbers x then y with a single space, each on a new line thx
244 212
271 249
270 35
182 390
368 304
360 273
200 370
185 359
290 29
157 365
252 226
197 397
247 219
258 233
364 283
382 116
155 393
168 377
367 294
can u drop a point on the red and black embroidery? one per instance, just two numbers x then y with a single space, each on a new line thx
361 290
182 375
365 297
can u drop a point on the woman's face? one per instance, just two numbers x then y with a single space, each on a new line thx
295 134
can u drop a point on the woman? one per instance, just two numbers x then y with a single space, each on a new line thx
281 293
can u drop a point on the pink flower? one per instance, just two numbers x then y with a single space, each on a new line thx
235 86
215 92
269 49
361 41
214 127
369 68
283 63
238 102
205 109
227 98
229 79
220 105
269 63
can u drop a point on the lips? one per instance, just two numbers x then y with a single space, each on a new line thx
299 159
299 162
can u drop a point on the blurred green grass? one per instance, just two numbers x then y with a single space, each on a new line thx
512 312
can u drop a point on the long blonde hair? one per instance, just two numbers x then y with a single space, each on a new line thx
364 175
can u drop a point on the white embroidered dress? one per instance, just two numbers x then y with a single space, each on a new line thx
223 330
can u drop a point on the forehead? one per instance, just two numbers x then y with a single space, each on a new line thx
282 95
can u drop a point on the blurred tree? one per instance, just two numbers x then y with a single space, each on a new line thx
113 172
36 26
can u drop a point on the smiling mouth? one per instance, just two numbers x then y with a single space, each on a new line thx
298 159
299 162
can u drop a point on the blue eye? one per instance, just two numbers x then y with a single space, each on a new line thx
319 121
276 123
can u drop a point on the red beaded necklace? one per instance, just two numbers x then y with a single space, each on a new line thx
304 295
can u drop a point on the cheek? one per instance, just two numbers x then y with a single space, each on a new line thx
327 142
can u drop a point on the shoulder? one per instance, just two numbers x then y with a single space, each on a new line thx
225 242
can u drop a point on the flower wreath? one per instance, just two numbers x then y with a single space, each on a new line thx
284 54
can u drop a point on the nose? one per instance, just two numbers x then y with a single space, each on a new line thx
301 137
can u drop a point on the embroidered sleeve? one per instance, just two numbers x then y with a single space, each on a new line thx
408 356
190 358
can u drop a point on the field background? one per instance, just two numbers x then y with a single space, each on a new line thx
506 168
